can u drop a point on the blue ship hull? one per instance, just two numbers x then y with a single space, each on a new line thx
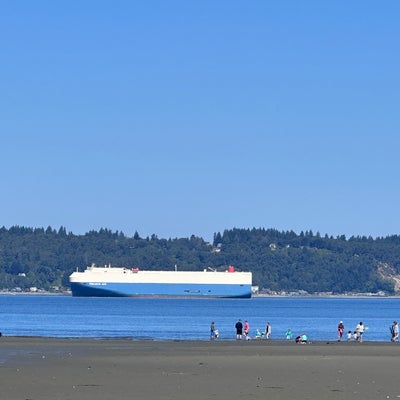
106 289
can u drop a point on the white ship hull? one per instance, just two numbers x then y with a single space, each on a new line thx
124 282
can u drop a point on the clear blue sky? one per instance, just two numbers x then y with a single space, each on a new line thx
180 117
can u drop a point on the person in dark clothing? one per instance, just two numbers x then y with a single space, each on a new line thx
239 330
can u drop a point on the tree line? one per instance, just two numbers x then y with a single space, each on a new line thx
279 260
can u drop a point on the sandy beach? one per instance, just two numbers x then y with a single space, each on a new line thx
40 368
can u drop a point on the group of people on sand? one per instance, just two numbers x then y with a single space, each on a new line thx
302 339
266 334
243 332
356 335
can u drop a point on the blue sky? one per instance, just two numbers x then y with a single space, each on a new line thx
180 118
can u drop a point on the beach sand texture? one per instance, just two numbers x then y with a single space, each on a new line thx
69 369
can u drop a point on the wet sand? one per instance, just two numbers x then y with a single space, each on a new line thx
69 369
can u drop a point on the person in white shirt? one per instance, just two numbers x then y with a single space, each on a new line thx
360 329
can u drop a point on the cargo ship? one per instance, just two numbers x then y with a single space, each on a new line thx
111 281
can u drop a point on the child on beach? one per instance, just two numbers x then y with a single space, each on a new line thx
246 330
288 334
348 335
259 335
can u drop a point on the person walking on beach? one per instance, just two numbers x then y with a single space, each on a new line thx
340 330
394 331
246 330
212 331
239 330
289 334
268 330
360 329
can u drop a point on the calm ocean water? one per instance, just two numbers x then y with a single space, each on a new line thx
189 319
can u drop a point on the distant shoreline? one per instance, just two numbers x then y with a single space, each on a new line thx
308 296
35 293
326 296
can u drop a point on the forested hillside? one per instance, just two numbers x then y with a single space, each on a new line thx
44 258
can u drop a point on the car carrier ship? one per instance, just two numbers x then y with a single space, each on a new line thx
111 281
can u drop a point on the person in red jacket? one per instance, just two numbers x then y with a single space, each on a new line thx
246 330
340 331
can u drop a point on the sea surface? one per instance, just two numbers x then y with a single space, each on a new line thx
189 319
